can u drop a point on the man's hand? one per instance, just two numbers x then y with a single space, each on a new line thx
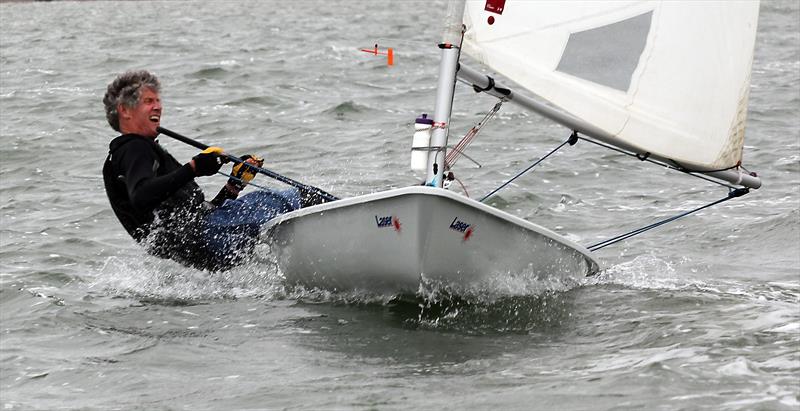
208 162
245 173
241 175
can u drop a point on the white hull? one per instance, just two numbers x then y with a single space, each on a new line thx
388 242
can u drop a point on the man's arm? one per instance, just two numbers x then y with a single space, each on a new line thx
138 164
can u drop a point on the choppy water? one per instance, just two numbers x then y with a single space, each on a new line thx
701 314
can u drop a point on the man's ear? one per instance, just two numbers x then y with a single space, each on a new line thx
123 111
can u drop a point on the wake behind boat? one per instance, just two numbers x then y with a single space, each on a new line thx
665 82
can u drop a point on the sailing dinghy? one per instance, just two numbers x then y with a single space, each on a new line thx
666 81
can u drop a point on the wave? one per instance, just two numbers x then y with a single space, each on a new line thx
152 279
342 110
515 303
209 73
253 101
651 273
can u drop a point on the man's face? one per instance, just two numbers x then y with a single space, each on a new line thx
143 118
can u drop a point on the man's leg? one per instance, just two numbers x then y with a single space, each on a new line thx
234 227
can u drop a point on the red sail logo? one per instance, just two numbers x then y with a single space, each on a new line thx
495 6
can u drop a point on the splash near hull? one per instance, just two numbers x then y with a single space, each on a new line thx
394 241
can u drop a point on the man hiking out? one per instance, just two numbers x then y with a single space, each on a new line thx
156 198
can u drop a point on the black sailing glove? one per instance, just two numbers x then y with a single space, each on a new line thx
208 162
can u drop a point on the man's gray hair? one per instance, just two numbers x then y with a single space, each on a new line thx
125 90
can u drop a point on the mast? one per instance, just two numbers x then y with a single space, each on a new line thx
451 49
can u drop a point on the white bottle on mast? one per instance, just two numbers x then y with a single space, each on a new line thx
421 143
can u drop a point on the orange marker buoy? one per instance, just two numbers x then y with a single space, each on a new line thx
389 54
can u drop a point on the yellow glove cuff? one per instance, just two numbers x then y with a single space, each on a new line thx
215 150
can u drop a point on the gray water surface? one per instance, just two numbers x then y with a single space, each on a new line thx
700 314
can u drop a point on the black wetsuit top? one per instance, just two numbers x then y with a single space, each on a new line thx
156 200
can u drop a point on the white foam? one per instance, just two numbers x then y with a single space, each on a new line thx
146 276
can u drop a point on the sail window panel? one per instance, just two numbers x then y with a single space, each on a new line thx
607 55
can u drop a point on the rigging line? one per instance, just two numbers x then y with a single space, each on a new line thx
479 165
463 187
676 167
458 149
571 141
242 181
452 177
731 194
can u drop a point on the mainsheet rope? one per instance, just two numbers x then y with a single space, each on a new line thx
246 183
733 192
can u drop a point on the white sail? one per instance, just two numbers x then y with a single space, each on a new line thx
670 78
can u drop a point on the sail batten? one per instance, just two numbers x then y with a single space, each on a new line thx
666 77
